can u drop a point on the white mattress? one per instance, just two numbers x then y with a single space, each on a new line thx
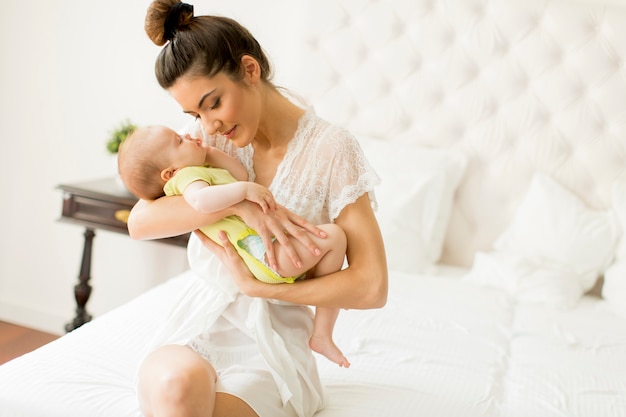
441 347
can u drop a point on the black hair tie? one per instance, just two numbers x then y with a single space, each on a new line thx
173 18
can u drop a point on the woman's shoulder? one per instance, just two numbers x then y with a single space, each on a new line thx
324 133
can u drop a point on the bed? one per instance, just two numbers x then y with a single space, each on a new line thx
499 130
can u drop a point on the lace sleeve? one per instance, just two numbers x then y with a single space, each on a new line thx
350 175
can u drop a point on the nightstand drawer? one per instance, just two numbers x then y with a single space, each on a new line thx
103 204
96 213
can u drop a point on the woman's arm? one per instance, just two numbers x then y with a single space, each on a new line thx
168 216
172 216
360 286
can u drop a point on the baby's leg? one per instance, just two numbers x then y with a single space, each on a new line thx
322 339
333 249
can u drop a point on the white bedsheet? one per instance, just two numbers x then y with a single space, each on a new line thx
441 347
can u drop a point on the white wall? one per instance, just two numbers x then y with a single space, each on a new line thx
71 70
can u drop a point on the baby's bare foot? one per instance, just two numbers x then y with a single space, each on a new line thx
325 346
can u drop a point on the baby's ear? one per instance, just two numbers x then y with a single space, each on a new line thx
168 173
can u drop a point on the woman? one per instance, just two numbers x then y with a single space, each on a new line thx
218 73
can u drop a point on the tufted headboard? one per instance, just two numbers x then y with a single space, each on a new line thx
519 86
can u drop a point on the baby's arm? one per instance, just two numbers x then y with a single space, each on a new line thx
210 198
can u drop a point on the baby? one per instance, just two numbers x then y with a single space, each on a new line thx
155 161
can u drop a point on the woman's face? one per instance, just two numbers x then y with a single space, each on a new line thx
224 106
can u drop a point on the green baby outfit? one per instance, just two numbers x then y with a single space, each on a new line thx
238 232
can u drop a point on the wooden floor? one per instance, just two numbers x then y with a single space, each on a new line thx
16 340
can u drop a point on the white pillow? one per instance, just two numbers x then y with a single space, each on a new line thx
557 246
526 280
614 288
414 199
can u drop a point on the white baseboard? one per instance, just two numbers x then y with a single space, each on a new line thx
34 318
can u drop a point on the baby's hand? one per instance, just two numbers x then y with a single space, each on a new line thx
260 195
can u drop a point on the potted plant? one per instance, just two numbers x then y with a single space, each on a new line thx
118 135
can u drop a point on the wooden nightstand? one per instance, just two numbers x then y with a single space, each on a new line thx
97 204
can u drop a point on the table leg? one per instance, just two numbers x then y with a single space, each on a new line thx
82 290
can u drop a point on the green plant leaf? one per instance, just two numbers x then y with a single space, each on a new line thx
118 135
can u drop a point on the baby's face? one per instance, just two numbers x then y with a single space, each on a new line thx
181 150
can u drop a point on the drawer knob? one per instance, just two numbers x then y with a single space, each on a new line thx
122 215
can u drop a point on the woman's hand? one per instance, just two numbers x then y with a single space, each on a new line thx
279 224
230 258
362 285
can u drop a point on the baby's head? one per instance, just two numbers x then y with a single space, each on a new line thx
141 159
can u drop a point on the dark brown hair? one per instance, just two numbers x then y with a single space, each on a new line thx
199 45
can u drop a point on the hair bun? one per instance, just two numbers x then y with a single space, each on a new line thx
178 13
164 18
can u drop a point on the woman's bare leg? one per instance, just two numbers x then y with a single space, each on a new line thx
175 381
227 405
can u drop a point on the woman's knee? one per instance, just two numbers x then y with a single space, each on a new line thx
173 376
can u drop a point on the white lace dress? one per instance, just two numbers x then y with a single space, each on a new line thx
252 340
